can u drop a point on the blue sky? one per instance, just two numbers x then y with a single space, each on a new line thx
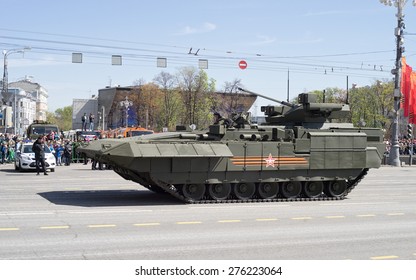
320 42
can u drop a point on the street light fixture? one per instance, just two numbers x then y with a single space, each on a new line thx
394 156
6 53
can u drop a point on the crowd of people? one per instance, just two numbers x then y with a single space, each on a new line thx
63 149
406 146
7 147
10 143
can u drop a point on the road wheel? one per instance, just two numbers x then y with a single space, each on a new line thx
291 189
193 192
244 190
268 190
219 191
336 188
313 189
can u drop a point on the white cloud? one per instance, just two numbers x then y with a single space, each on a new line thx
206 27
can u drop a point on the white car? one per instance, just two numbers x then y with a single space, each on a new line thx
25 158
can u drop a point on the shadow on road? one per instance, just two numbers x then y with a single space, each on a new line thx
8 169
108 198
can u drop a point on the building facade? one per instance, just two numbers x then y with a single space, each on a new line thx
87 106
24 103
38 93
23 111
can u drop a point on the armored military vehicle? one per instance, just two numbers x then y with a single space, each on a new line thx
303 151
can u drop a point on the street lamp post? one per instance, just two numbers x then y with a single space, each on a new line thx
126 103
103 116
6 53
394 156
5 87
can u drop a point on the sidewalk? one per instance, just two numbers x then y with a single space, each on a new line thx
7 165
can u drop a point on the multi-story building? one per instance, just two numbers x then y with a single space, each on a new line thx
23 110
24 102
36 91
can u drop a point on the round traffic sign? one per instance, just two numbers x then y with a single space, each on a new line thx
242 64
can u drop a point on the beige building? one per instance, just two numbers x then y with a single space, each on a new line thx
24 103
37 92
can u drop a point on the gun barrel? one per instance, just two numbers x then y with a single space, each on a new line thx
269 98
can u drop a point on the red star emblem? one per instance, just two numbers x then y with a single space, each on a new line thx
270 161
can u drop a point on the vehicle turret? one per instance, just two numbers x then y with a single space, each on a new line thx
307 112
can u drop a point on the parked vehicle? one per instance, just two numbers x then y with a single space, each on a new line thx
41 128
133 131
124 132
25 158
87 135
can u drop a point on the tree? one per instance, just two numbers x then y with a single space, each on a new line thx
373 105
148 111
196 91
231 90
331 95
170 102
62 117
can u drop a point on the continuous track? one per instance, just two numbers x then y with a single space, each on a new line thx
172 190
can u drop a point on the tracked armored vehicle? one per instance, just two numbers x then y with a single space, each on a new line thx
303 151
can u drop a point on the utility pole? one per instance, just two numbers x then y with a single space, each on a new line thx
394 156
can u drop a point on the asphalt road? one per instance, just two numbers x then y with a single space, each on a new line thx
77 213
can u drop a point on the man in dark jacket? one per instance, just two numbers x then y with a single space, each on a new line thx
38 149
68 153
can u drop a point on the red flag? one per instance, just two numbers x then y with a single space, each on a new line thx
405 86
412 98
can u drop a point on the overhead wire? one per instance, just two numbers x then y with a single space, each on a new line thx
226 60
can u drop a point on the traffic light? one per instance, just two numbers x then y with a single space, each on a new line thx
409 131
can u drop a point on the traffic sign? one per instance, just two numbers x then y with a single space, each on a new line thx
242 64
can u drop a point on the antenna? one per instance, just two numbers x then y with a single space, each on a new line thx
288 83
347 101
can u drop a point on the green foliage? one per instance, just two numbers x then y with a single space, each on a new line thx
62 117
196 91
169 104
372 105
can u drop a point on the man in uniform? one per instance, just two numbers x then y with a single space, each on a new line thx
38 148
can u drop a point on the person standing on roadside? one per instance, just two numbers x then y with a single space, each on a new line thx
3 151
91 118
38 148
84 122
68 153
59 151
